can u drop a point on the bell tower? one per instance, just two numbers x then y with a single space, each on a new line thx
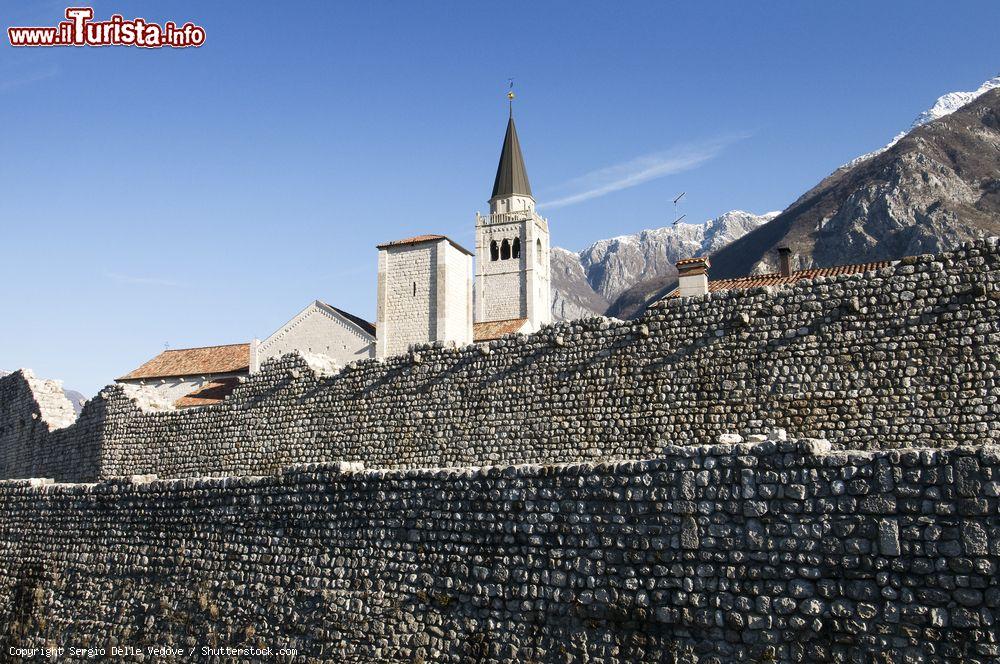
512 246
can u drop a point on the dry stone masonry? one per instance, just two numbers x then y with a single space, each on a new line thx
903 357
762 551
39 435
485 504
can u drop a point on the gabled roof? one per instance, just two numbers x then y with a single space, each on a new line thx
776 279
211 392
494 329
512 176
206 360
420 239
357 320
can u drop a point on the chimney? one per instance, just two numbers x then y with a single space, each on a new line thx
785 261
693 276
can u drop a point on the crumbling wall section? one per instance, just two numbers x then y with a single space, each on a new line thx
39 436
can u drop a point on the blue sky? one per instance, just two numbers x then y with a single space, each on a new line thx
204 196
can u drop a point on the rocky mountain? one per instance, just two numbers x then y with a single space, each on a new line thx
76 399
937 186
594 281
572 295
945 105
930 188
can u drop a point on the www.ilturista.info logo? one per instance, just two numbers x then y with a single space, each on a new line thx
80 30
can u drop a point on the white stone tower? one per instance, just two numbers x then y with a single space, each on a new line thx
424 294
512 247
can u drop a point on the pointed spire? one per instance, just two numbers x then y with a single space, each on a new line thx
512 177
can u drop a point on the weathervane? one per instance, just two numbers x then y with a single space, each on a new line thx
510 95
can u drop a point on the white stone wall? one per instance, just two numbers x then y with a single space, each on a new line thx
454 311
538 274
692 285
55 408
320 330
406 314
405 297
172 389
424 295
515 203
501 285
515 287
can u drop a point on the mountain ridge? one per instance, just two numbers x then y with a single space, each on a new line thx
929 189
936 187
589 282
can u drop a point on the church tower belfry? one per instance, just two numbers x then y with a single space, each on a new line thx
512 246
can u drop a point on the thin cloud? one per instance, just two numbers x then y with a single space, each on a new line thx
140 281
642 169
10 79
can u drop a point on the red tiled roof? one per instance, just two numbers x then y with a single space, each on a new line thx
776 279
211 392
418 239
494 329
195 361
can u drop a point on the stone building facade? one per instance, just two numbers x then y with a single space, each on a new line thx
512 278
192 377
424 294
512 247
320 328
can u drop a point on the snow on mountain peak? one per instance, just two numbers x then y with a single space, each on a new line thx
951 102
615 264
945 105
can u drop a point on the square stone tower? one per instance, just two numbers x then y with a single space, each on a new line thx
512 247
424 294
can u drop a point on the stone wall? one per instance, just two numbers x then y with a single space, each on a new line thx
762 551
39 434
318 328
453 301
170 389
904 357
409 283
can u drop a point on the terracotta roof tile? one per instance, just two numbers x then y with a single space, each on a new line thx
211 392
418 239
194 362
692 260
494 329
776 279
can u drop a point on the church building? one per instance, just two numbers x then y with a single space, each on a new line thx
425 291
425 295
512 248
